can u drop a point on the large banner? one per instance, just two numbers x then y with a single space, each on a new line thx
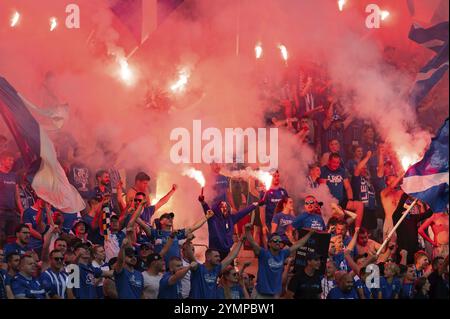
318 243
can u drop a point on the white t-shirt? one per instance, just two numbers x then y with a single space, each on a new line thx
186 282
151 285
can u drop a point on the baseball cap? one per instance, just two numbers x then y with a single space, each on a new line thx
153 257
79 221
167 215
313 256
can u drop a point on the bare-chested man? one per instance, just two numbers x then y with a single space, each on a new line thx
390 197
439 226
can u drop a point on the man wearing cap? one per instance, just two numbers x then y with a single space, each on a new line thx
271 263
129 281
221 225
152 276
311 218
80 230
170 284
161 236
306 283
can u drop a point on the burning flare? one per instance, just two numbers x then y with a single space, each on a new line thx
180 85
125 71
264 177
384 14
53 23
284 52
341 4
15 19
408 160
258 51
195 174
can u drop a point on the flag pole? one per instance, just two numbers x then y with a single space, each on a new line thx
396 226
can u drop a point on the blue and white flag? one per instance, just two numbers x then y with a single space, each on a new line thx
436 39
433 38
427 180
45 173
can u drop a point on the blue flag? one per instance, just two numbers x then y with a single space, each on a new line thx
427 180
435 38
45 174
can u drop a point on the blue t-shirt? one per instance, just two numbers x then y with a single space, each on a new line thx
364 191
8 184
307 220
162 236
204 282
129 284
283 221
27 287
236 292
407 291
389 290
30 217
335 181
270 271
351 165
15 248
336 293
360 284
54 283
87 290
272 198
167 291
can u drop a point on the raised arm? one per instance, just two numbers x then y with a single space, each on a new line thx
166 198
46 246
329 116
300 243
181 273
167 245
234 253
121 256
362 163
121 199
352 243
200 223
248 232
243 212
380 166
422 232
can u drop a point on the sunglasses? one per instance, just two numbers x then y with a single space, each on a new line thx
58 258
137 200
235 275
277 241
310 202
